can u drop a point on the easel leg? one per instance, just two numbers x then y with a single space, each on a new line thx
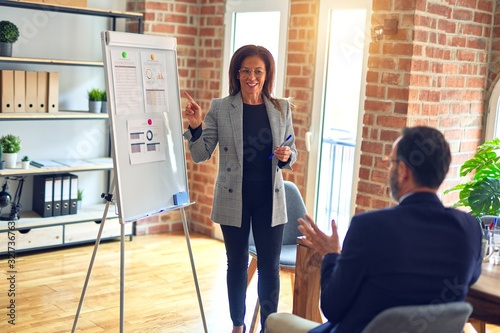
122 277
193 268
91 266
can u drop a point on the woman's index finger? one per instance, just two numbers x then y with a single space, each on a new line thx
186 94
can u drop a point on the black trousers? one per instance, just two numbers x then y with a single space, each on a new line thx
257 211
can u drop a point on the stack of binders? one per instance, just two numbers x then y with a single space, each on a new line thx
55 194
27 91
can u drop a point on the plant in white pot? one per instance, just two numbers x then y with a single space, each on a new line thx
2 162
25 162
95 100
11 145
79 198
9 33
104 101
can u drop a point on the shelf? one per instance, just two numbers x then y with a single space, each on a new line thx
53 116
31 219
40 61
71 9
103 163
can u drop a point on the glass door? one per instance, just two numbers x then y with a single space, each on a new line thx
334 137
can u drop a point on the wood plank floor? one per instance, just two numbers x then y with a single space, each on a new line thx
160 291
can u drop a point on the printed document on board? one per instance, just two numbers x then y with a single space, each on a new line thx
146 140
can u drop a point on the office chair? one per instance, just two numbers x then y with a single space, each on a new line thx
295 208
432 318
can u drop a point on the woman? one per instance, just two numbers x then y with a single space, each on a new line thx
251 128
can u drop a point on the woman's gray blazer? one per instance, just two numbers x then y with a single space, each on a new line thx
224 127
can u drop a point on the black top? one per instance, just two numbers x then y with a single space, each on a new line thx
257 143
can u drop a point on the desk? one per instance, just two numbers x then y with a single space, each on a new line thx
306 288
484 295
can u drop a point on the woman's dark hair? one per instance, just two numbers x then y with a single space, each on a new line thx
427 153
248 51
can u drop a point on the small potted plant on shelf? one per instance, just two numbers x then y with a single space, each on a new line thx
79 198
11 145
9 33
25 161
95 100
2 162
104 101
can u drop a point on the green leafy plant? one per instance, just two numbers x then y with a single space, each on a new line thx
9 33
25 158
79 195
10 143
104 96
482 193
95 95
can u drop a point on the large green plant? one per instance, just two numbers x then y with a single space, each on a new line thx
9 33
10 143
482 193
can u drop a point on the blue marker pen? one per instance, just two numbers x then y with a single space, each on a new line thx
281 145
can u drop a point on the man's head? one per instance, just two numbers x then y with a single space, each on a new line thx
420 160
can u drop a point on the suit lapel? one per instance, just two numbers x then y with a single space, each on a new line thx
236 119
274 120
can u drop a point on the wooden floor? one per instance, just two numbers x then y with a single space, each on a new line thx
160 291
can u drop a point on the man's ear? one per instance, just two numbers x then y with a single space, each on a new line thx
404 170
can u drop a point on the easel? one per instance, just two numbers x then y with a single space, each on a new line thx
109 198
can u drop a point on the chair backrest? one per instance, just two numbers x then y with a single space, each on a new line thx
295 208
433 318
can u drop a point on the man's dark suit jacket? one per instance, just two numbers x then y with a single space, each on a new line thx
418 252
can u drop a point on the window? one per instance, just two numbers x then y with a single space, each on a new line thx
493 116
260 22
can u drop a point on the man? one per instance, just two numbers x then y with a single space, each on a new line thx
418 252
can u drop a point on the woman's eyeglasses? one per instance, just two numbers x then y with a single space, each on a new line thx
245 72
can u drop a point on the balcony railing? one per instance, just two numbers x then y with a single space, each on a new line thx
335 180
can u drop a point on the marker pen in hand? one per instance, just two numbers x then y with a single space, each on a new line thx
281 145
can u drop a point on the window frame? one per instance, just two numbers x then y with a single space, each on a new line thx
238 6
492 126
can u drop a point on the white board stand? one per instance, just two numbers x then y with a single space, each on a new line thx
149 160
122 269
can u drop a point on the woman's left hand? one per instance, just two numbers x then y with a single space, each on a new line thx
282 153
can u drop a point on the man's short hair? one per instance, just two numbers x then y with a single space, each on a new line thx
427 153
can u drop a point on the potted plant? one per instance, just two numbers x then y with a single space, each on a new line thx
95 100
25 161
104 100
9 33
2 162
11 145
79 198
482 193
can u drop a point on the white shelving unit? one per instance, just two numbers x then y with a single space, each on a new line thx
61 135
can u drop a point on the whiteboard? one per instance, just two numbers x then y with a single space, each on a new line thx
144 108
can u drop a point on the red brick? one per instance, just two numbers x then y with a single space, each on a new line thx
467 3
462 14
391 121
438 9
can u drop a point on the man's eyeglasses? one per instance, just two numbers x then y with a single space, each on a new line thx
245 72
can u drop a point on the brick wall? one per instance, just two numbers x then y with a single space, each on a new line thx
299 81
433 72
199 29
437 70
